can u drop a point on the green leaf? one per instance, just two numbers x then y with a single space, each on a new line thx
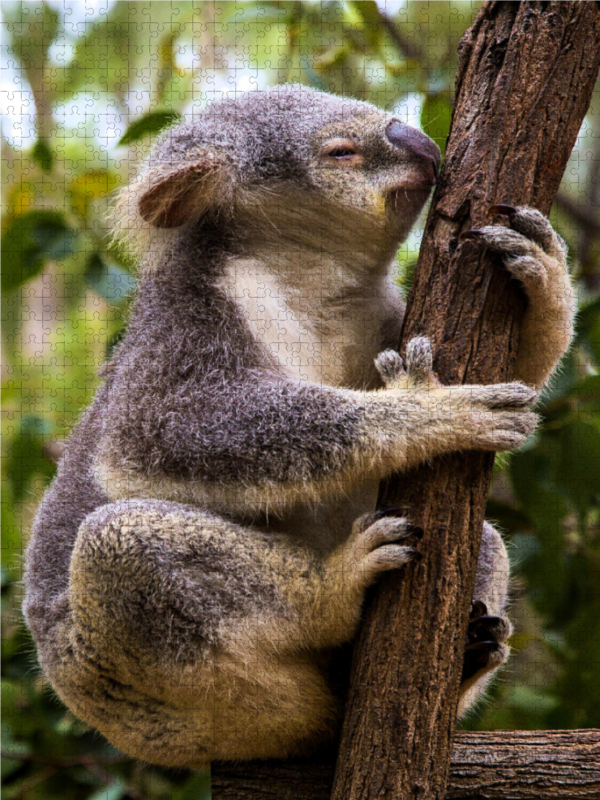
373 28
533 700
34 27
10 747
588 388
108 280
579 464
436 114
198 788
42 155
25 457
30 241
587 328
149 124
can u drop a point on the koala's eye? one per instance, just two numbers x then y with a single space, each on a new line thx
341 150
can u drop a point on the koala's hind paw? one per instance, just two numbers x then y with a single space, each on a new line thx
419 366
484 649
381 542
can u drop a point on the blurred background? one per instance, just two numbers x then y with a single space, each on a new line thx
85 88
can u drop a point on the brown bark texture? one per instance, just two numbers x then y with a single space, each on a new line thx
524 83
503 765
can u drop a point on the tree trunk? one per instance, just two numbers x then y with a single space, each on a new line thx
524 83
504 765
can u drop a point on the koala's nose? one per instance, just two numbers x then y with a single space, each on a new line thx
415 143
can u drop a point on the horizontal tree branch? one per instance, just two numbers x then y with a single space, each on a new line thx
520 765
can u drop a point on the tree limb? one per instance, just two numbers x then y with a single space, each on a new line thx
521 765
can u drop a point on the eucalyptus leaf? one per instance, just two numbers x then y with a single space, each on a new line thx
148 125
579 465
198 788
30 241
43 155
436 114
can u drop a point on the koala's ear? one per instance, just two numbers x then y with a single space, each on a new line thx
178 196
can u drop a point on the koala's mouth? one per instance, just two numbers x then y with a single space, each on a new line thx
418 181
414 192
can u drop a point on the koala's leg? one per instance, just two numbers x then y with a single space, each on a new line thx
489 627
188 637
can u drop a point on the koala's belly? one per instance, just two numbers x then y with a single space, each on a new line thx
326 524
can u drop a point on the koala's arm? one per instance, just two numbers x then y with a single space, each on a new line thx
266 442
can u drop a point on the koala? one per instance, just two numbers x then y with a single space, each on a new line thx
202 556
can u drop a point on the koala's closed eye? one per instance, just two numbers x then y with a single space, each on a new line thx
341 150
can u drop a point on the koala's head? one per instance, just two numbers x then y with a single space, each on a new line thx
289 150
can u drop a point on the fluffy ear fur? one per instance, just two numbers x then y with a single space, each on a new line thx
188 192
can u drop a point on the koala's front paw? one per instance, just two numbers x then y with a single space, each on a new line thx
484 649
494 417
531 250
498 416
380 542
419 366
535 255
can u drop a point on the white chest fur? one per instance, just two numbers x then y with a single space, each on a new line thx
317 322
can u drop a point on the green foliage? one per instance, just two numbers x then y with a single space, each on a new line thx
436 114
32 240
65 294
149 124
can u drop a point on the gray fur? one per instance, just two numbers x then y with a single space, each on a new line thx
195 560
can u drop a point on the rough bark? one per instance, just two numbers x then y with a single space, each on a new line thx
504 765
525 78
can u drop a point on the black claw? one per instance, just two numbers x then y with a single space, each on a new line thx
483 647
417 556
416 531
474 233
392 511
500 208
478 609
477 657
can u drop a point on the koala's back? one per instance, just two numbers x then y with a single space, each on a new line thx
74 494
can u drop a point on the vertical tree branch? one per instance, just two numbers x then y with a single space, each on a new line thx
526 74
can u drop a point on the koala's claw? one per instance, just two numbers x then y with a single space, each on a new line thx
381 542
419 361
419 366
481 656
535 226
478 609
391 511
473 233
485 636
501 208
530 247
